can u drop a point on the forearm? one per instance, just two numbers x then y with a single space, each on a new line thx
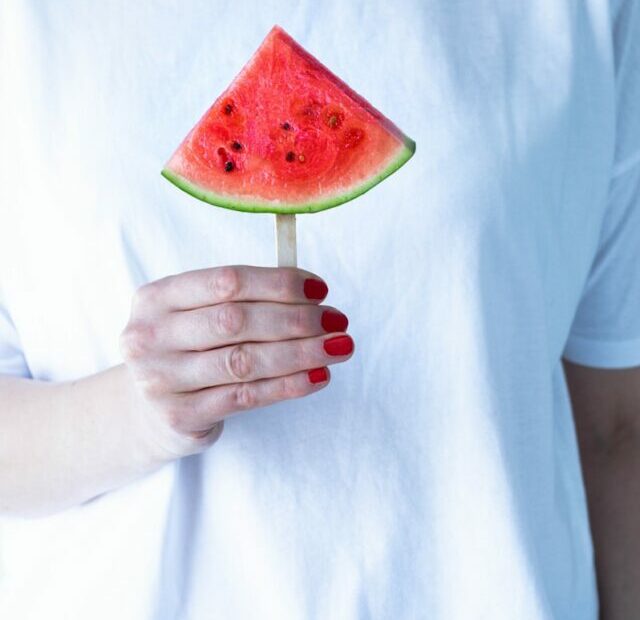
612 477
199 346
64 443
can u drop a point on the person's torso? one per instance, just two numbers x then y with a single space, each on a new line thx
437 476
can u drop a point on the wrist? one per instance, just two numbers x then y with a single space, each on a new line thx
156 443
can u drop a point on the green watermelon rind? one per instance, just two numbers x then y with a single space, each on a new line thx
313 207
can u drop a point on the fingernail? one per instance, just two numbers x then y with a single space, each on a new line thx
340 345
333 321
315 289
318 375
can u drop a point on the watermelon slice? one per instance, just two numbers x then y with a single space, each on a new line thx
287 136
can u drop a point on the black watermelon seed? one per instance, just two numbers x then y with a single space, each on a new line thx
229 166
228 108
236 146
286 126
290 156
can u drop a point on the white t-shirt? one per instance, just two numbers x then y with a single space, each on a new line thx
437 477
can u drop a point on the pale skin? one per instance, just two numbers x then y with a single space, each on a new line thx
199 347
205 345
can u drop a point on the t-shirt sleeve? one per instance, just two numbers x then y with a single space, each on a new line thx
606 328
12 360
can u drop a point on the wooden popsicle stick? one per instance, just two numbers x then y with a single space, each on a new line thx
286 240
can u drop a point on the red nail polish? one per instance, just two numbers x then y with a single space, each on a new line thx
318 375
340 345
333 321
315 289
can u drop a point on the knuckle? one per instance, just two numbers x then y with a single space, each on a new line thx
300 356
287 282
225 283
299 321
215 432
204 439
228 320
154 384
136 340
244 396
288 388
176 415
146 296
239 363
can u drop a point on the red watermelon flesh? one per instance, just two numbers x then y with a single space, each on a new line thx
287 136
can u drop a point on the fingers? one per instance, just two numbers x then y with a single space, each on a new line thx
230 323
206 287
205 344
199 411
249 361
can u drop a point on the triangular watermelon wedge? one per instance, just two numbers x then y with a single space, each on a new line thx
287 136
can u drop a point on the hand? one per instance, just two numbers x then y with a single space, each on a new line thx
205 344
